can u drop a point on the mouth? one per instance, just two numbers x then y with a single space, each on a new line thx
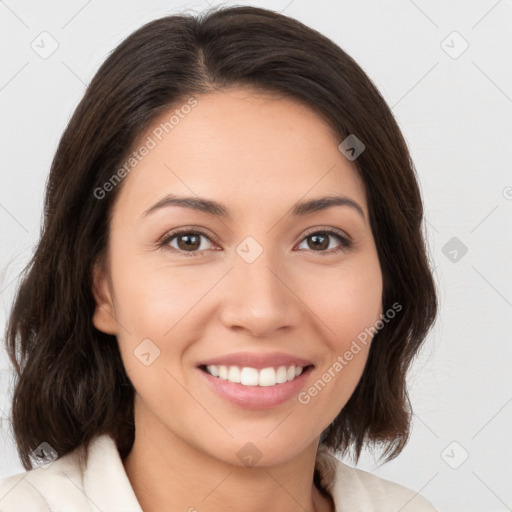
252 388
264 377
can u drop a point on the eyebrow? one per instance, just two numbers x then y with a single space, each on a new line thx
211 207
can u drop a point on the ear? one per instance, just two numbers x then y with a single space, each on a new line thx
104 318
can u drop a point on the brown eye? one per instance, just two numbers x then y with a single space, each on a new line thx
320 241
187 241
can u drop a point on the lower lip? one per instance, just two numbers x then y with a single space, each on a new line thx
256 397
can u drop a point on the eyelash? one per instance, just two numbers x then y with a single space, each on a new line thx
345 243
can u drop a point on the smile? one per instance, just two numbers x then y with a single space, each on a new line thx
253 388
248 376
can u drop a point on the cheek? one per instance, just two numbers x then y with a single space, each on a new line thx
347 299
151 305
348 306
155 306
152 298
347 303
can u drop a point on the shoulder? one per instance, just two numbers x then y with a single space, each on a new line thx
38 489
72 482
379 492
354 489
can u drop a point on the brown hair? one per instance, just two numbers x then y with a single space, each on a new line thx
71 384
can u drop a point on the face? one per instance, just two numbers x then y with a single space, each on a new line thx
182 286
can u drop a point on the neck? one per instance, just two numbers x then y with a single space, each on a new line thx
167 473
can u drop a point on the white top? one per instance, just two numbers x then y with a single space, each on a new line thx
62 486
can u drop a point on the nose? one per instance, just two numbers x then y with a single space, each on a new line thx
260 297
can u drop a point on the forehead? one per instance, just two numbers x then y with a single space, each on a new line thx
243 147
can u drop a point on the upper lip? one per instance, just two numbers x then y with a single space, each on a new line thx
258 361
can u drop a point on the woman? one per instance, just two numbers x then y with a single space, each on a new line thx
230 285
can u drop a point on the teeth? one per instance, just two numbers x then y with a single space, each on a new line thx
281 375
249 377
252 377
234 374
223 372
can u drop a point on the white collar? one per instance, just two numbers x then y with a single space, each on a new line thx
103 485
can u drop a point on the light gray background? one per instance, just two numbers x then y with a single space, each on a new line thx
456 114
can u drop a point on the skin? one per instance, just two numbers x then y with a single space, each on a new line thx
244 149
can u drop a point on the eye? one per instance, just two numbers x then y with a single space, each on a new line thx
188 241
321 240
